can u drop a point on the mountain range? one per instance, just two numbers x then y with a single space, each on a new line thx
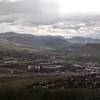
15 41
12 39
81 40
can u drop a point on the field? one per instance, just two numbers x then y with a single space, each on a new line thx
21 88
24 80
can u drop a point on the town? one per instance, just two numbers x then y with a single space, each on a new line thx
26 63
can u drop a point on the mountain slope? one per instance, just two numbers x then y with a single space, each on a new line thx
82 40
22 42
33 42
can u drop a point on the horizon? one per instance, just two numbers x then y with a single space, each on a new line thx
73 37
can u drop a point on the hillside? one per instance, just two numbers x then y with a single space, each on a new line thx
12 40
26 42
82 40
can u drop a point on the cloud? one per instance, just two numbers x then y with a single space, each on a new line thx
37 11
69 28
10 1
42 17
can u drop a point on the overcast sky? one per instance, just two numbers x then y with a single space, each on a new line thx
51 17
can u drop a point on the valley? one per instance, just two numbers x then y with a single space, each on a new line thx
53 64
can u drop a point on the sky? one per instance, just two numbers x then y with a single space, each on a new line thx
66 18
